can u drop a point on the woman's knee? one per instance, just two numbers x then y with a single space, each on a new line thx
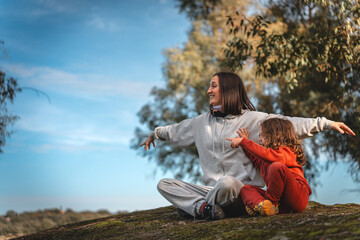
228 183
163 184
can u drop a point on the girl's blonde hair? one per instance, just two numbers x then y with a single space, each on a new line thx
280 132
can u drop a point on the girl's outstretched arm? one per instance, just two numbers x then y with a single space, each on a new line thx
243 133
235 142
267 154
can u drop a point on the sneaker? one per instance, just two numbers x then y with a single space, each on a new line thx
266 208
184 214
251 211
212 212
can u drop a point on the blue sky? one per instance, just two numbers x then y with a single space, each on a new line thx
97 61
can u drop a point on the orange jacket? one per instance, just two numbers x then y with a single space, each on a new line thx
259 154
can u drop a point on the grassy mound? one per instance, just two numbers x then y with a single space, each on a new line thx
341 221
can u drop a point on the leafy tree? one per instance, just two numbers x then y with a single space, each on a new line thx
187 72
312 65
269 46
8 90
197 9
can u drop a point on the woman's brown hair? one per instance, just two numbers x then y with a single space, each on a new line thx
233 94
280 132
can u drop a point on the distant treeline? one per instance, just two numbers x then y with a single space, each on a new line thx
16 224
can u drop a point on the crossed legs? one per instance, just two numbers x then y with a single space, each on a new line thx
189 197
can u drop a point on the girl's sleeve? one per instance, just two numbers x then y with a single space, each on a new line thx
261 152
179 134
256 161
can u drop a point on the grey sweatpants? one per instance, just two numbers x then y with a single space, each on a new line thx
189 197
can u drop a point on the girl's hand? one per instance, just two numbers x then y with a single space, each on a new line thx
342 128
235 142
148 143
243 133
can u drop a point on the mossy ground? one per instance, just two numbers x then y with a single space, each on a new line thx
319 221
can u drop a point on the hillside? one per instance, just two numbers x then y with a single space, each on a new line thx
341 221
17 224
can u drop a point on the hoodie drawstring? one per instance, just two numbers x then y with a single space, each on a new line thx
213 137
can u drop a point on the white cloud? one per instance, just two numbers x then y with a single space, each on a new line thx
77 124
42 8
103 24
64 6
82 85
67 130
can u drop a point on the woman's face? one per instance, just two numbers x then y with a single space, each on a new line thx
214 91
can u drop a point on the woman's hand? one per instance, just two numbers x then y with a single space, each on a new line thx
243 133
235 142
148 143
342 128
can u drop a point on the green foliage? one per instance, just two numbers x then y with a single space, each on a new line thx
197 9
334 51
8 90
312 65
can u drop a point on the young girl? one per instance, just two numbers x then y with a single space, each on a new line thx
280 159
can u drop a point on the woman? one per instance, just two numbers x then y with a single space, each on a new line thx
225 171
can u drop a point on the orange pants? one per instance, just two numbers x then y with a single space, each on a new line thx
283 187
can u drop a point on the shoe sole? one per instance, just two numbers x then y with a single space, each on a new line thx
268 209
217 213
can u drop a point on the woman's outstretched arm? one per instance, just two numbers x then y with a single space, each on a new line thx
149 140
342 128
